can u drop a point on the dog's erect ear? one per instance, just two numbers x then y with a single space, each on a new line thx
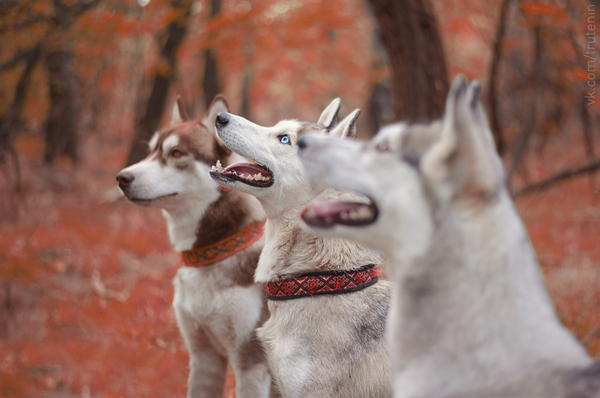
329 117
463 162
179 113
219 104
347 127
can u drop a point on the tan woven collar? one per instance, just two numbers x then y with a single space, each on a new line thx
225 248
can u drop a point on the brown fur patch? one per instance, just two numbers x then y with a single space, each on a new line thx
194 139
244 273
226 216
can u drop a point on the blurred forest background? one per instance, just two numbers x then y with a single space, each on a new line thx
85 278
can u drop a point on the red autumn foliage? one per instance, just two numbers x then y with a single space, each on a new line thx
85 281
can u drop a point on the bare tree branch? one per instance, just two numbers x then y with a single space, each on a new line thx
562 176
14 61
26 23
7 125
520 145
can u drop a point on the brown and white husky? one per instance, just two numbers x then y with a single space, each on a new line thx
217 304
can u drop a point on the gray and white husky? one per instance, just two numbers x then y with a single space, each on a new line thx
470 316
329 345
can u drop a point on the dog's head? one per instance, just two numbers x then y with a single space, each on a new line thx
277 178
410 172
176 169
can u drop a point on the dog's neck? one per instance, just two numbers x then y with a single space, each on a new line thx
291 250
474 309
209 217
199 224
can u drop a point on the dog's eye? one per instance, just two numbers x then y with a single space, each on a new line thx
285 139
176 153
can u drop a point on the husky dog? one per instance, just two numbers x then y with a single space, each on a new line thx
470 316
218 306
330 345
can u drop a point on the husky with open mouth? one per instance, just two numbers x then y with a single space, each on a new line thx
219 234
326 333
470 316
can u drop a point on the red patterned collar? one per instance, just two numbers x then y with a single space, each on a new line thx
317 283
225 248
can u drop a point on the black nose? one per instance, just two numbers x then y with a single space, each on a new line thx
222 119
302 143
125 179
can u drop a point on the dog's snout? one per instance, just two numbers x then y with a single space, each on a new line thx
222 119
125 179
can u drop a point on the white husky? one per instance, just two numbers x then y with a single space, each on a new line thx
470 315
217 304
327 345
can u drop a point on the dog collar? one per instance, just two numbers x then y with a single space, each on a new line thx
318 283
224 248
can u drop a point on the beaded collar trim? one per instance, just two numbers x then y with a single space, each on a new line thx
224 248
318 283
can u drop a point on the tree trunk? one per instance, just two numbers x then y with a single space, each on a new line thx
63 117
149 120
9 122
409 32
210 83
494 79
245 107
379 107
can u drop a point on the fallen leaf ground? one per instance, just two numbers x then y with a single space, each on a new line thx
85 281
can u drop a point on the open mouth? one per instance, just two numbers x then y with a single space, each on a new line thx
253 174
141 201
327 214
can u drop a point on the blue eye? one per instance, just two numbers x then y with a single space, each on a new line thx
284 139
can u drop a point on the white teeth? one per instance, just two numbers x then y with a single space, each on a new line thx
364 212
249 177
311 212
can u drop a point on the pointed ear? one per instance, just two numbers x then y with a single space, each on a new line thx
464 162
219 104
179 114
329 116
347 127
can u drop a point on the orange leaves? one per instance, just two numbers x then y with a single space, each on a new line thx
537 8
67 337
580 74
544 14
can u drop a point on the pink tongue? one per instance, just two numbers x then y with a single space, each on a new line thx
330 208
247 168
